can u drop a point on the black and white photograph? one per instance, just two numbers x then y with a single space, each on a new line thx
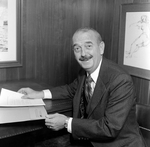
74 73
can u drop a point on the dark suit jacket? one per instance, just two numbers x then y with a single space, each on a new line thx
111 120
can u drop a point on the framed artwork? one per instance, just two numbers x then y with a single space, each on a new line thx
10 33
134 39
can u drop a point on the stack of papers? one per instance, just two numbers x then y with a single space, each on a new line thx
13 108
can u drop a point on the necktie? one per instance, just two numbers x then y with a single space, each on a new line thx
86 96
88 88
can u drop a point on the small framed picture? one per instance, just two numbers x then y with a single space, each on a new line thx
10 33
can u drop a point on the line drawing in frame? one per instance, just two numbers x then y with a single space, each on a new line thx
137 40
10 33
134 42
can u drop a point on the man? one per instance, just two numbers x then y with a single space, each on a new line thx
104 115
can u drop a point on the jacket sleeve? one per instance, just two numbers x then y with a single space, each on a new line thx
65 91
119 97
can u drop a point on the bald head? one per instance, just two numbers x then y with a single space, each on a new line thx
94 32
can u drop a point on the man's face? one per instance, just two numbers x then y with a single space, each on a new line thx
88 52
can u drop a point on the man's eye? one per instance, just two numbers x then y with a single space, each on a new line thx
77 49
89 46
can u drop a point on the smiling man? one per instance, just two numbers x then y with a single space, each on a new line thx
103 97
88 49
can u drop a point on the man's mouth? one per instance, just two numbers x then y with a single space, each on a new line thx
85 58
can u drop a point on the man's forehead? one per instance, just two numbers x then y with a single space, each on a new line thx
84 37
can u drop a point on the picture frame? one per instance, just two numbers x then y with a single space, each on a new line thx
134 39
10 33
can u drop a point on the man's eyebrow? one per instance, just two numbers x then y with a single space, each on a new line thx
89 42
75 45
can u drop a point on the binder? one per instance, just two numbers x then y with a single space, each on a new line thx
15 109
19 114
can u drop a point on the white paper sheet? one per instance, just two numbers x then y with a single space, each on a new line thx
10 98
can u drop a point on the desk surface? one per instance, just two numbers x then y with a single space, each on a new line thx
52 106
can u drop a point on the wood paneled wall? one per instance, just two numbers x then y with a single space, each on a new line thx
47 27
142 85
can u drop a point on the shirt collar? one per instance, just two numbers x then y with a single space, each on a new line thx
95 74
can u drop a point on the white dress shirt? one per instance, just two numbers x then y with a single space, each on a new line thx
94 76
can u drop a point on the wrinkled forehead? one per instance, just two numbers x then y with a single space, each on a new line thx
83 37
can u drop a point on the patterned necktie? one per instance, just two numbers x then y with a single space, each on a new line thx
88 88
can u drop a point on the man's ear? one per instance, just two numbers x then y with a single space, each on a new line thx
102 47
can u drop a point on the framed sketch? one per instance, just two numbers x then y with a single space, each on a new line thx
134 39
10 33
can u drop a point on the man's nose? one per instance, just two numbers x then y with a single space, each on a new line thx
83 51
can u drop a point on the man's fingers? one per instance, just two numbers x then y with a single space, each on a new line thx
22 91
50 116
26 97
49 119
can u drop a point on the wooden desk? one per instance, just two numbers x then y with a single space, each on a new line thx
27 133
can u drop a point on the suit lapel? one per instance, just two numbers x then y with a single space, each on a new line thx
79 92
100 88
97 95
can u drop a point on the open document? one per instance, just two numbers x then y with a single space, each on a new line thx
10 98
15 109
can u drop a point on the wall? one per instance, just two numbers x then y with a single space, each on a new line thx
47 28
142 85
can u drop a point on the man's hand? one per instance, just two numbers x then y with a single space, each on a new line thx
55 121
30 93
